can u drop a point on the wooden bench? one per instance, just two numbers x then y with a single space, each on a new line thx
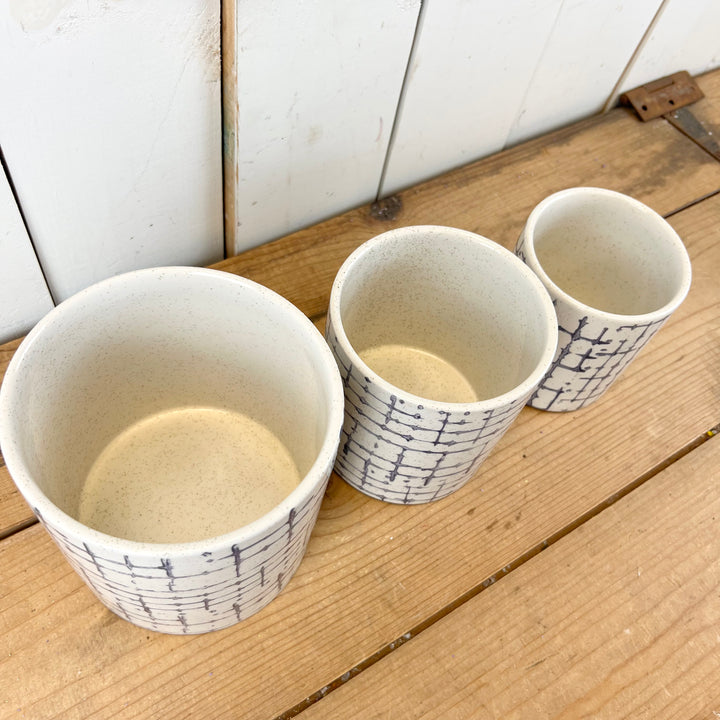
578 575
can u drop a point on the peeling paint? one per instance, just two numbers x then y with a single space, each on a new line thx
36 15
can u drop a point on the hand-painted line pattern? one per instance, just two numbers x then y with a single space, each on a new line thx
202 592
591 354
405 453
590 357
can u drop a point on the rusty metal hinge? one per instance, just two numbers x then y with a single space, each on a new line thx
663 96
668 98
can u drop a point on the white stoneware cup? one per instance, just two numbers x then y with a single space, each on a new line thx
616 271
441 336
142 346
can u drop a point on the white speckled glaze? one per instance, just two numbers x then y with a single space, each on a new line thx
144 343
453 295
616 271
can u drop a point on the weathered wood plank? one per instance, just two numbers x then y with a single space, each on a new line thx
701 121
14 512
373 571
617 620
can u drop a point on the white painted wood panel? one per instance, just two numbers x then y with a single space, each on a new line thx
587 50
24 297
686 36
317 90
471 66
111 129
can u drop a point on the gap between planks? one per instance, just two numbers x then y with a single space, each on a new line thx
503 572
18 527
692 203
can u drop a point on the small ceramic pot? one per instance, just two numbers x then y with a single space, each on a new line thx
440 336
147 343
616 271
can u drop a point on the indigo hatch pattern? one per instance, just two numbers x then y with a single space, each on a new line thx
590 356
198 593
403 452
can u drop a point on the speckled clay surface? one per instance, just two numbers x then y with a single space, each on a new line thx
464 301
616 271
149 342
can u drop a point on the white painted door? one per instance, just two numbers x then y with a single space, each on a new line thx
315 92
485 75
685 36
111 130
587 50
24 297
471 65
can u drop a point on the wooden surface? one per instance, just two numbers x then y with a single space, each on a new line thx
602 518
619 619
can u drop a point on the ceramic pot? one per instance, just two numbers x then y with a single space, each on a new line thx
440 336
138 349
616 271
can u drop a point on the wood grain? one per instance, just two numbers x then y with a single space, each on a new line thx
617 620
228 47
14 511
705 131
373 571
7 350
493 197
